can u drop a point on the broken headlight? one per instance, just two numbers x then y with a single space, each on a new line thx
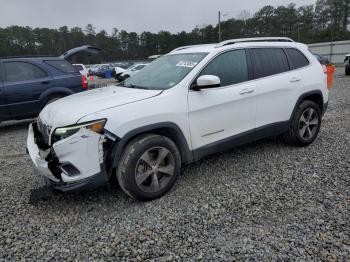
65 132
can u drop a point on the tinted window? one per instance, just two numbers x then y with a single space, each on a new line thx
297 58
231 67
269 61
22 71
79 67
62 65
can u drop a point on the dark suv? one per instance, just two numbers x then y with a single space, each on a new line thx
28 84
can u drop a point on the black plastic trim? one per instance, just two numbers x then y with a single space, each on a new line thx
325 107
186 154
240 139
314 92
87 184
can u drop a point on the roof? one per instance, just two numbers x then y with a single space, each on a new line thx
31 58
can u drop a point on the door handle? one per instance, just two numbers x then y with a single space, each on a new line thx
294 80
246 91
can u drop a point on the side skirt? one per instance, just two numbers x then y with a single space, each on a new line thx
240 139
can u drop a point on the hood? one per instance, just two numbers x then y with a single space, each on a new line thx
68 110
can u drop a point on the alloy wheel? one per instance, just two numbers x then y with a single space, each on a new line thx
308 124
154 169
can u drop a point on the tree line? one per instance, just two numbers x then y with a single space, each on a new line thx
327 20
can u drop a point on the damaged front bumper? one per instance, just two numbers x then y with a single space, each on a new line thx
75 163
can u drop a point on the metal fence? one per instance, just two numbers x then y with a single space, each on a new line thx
335 51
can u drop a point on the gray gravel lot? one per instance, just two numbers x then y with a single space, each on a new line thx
263 201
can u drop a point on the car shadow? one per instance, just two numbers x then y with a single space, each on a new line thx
113 194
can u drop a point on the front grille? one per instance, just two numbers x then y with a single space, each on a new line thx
45 131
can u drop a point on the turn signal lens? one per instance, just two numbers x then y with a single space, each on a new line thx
97 127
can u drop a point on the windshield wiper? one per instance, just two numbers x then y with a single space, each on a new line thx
135 86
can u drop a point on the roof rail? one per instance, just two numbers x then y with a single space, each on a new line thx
26 56
187 46
256 39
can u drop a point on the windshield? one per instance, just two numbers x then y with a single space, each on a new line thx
130 68
165 72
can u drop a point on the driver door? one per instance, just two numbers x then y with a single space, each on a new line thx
221 117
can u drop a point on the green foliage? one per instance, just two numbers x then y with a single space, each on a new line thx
326 21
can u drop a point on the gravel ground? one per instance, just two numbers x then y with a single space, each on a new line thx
262 201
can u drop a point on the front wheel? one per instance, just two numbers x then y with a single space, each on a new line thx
149 167
305 124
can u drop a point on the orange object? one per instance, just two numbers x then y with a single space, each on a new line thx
330 75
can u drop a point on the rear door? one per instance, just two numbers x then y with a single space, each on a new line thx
65 75
276 86
23 84
4 113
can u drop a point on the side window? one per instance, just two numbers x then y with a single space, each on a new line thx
22 71
62 65
231 67
269 61
297 58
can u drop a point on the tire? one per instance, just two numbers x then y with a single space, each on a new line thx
347 70
149 167
305 124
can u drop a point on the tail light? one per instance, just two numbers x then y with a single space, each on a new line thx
84 82
324 69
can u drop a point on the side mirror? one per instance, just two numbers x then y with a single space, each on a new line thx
206 81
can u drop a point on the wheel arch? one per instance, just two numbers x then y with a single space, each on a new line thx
315 96
168 129
54 91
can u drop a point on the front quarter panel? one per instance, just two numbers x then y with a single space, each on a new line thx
169 106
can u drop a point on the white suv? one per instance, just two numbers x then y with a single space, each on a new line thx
192 102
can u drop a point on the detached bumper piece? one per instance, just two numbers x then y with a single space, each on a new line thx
76 163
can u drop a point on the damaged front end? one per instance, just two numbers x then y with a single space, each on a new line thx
73 157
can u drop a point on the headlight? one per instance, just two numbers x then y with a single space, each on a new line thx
64 132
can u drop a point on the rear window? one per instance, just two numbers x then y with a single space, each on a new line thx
297 58
79 67
62 65
269 61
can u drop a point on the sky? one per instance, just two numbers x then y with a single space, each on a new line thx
130 15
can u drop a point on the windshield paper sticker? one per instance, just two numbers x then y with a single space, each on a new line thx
189 64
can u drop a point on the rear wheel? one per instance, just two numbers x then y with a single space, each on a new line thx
149 167
54 98
305 124
347 70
